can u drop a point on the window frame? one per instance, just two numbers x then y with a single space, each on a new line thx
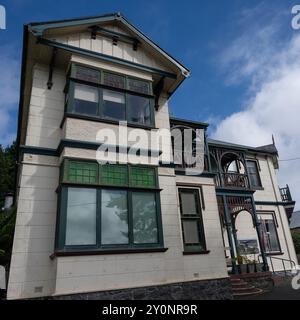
275 222
62 191
258 175
62 224
193 248
70 90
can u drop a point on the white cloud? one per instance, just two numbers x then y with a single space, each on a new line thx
9 93
271 65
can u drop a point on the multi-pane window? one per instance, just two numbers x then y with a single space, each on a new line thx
114 212
253 173
110 96
191 220
269 233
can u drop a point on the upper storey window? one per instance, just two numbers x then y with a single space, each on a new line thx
253 174
110 97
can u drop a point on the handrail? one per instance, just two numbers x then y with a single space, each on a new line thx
293 264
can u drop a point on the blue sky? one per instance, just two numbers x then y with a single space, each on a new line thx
243 56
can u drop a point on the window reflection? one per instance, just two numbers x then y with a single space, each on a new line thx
85 99
113 105
114 218
144 218
81 217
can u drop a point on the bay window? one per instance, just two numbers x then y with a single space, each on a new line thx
108 206
109 97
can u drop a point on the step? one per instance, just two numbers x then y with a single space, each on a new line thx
257 291
249 288
239 285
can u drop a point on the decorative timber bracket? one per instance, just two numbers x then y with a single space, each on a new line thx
114 36
157 91
51 67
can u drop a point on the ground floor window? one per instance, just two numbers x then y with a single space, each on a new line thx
120 210
191 220
269 233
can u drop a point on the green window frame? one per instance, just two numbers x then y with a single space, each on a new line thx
114 175
126 175
253 172
110 179
81 172
135 233
194 241
136 92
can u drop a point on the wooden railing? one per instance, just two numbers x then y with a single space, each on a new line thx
285 194
232 180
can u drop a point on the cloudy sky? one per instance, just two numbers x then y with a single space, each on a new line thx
243 55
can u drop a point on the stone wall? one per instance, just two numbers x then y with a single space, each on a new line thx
219 289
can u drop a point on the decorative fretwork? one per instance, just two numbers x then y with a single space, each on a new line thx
226 177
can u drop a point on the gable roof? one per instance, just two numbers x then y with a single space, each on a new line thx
40 28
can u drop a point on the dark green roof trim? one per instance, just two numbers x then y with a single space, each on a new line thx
201 175
234 192
68 143
38 28
275 203
38 151
269 149
105 57
191 123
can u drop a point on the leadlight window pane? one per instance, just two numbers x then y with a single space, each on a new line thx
188 203
87 74
82 172
190 232
114 80
142 177
145 228
114 175
139 110
85 99
139 86
113 105
114 217
81 217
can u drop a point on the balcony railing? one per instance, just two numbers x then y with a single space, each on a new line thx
286 194
232 180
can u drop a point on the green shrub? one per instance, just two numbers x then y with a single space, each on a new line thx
7 227
296 239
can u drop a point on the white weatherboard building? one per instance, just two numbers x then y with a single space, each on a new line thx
129 230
